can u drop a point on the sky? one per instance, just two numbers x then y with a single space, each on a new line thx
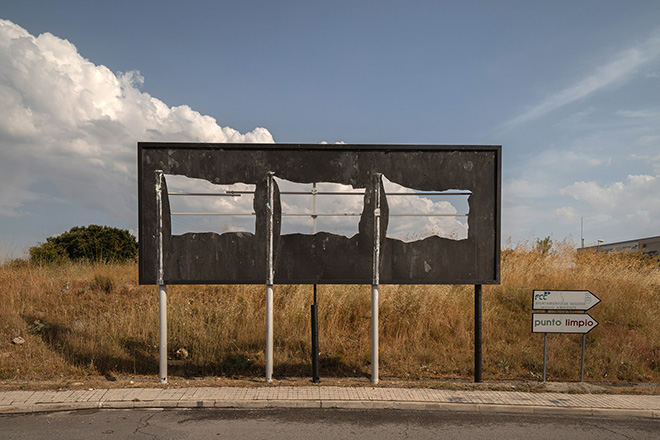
570 89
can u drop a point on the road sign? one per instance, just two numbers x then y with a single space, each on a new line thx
562 323
564 300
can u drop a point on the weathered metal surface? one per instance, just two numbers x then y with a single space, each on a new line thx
323 258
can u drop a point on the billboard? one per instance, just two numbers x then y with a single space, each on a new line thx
267 251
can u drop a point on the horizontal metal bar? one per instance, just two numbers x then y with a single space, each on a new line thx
322 193
342 193
213 213
428 215
431 194
283 214
227 194
357 215
325 214
318 193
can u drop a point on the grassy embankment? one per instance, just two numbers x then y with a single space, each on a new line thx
81 320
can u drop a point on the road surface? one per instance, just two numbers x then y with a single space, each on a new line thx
317 424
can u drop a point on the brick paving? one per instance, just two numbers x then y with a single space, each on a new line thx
329 396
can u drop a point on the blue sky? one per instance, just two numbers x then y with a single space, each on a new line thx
571 90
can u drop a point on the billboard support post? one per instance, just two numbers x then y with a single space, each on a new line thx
269 284
162 343
269 333
162 288
375 281
315 340
374 334
477 333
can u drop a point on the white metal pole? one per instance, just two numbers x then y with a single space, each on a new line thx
374 334
375 282
269 333
162 346
162 289
269 284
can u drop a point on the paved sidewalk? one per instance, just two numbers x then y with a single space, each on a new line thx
332 397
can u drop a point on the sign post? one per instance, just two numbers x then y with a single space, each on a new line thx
576 323
478 318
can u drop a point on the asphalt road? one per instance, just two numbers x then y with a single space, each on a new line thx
316 424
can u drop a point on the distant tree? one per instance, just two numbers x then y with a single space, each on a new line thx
91 243
543 246
48 252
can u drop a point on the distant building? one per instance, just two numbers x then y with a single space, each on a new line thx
650 246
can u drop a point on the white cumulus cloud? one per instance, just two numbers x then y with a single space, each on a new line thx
67 122
634 203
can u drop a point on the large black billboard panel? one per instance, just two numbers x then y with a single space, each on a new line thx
321 258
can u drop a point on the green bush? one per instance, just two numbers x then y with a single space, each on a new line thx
90 243
48 252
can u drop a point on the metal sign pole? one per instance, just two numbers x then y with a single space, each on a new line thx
374 334
269 333
162 288
162 346
477 333
269 284
315 340
375 282
545 354
584 342
315 311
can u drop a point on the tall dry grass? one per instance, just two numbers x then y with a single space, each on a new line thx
86 319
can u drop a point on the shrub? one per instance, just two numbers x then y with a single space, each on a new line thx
544 246
103 283
48 252
91 243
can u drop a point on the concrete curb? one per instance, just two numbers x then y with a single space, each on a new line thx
47 407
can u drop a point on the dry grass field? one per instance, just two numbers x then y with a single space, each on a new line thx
82 320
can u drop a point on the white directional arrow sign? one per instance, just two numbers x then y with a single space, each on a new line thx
564 300
562 323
